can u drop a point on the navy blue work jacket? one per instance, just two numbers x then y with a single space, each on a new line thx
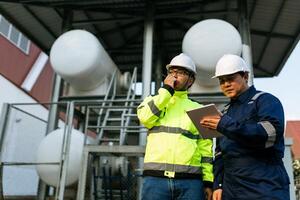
248 162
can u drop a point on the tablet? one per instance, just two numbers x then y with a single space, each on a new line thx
196 115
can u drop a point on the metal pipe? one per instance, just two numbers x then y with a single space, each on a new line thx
244 29
146 75
29 114
158 71
147 52
147 59
159 56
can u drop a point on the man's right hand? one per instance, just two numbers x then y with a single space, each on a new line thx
217 194
170 80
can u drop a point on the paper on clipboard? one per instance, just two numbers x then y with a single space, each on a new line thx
197 114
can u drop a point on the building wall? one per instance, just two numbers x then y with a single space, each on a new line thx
15 64
23 133
293 131
41 91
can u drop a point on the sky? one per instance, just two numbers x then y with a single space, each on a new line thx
285 86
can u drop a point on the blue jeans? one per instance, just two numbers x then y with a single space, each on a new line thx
156 188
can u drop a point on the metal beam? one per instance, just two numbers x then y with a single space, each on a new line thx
273 35
177 25
180 6
189 14
58 13
101 20
131 39
124 26
120 30
128 67
48 29
95 5
99 32
60 3
174 41
252 10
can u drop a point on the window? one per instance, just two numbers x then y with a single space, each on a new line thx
24 43
14 35
4 26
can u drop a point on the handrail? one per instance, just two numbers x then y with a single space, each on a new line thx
113 87
123 132
104 101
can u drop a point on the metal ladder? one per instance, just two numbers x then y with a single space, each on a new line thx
112 121
114 113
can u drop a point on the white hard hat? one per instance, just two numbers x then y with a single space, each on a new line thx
184 61
230 64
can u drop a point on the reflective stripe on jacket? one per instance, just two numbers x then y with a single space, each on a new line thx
173 143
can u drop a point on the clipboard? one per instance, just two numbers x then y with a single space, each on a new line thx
197 114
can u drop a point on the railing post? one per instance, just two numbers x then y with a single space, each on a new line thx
3 121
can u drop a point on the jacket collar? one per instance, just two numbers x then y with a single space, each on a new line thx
248 94
181 94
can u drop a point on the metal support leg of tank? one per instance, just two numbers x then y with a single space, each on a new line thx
147 71
56 92
244 29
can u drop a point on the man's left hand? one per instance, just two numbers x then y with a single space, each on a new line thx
210 122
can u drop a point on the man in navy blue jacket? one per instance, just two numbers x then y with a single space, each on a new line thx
248 161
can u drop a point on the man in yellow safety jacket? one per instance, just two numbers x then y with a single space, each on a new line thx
178 162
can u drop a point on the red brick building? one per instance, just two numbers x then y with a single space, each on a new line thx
23 63
293 131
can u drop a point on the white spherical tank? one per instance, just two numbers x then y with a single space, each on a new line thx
79 58
206 42
50 150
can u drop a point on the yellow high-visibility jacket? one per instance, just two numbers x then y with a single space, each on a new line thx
174 147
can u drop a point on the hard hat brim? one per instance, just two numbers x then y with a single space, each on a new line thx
185 67
216 76
170 65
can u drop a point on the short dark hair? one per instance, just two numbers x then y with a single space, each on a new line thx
242 73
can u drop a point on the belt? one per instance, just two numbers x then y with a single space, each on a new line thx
167 174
